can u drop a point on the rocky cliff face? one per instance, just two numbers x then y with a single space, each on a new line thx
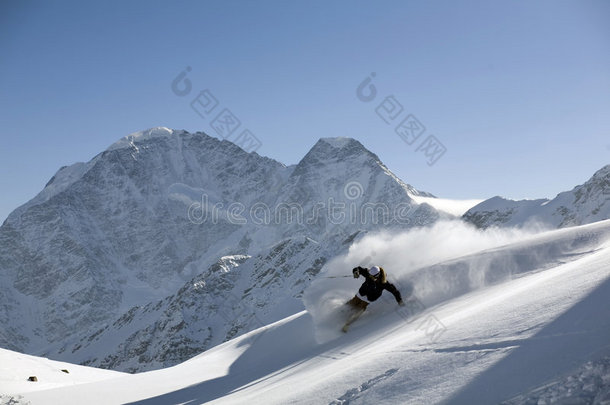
168 243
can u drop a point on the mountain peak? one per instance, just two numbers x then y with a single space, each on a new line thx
602 173
338 142
338 149
597 188
140 136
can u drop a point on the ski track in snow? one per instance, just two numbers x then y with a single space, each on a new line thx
356 392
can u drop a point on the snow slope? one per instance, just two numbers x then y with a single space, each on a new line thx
17 368
484 335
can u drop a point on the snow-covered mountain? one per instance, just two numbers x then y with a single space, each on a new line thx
586 203
168 243
521 323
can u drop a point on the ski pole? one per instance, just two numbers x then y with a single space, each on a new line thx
335 276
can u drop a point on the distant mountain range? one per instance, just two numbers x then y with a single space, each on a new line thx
586 203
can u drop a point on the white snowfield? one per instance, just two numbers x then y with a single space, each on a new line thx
16 368
504 322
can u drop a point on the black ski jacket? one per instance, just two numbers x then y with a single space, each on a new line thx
372 288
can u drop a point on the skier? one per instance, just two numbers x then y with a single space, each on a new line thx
374 284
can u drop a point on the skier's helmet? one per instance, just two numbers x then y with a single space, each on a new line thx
374 271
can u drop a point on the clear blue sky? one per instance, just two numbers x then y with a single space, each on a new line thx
518 92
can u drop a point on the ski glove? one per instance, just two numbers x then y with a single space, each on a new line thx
356 272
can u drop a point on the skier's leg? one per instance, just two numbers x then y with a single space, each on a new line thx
358 307
355 315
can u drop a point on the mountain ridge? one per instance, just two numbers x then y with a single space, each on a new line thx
585 203
144 220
